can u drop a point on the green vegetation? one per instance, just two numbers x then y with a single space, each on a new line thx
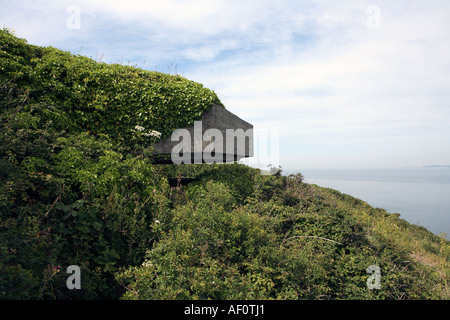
78 187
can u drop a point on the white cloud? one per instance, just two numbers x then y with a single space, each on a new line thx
386 87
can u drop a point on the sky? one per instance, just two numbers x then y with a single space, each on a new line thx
326 84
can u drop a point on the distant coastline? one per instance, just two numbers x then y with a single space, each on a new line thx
438 166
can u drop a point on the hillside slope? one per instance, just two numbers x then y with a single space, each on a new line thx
80 94
237 234
78 187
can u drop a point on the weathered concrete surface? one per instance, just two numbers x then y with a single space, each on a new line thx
220 137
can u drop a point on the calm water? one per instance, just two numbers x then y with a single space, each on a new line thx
420 195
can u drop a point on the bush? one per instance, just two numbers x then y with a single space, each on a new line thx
77 185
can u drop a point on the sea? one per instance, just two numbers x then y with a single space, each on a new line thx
421 195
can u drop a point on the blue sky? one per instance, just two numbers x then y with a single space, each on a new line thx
345 84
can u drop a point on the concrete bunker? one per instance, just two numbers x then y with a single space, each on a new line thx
218 137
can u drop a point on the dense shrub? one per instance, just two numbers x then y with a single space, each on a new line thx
215 247
77 185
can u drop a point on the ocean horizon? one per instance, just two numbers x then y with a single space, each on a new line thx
421 195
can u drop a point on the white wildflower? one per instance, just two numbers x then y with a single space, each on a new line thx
152 133
139 128
147 264
155 133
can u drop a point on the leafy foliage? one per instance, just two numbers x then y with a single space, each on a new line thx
76 181
215 246
83 95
